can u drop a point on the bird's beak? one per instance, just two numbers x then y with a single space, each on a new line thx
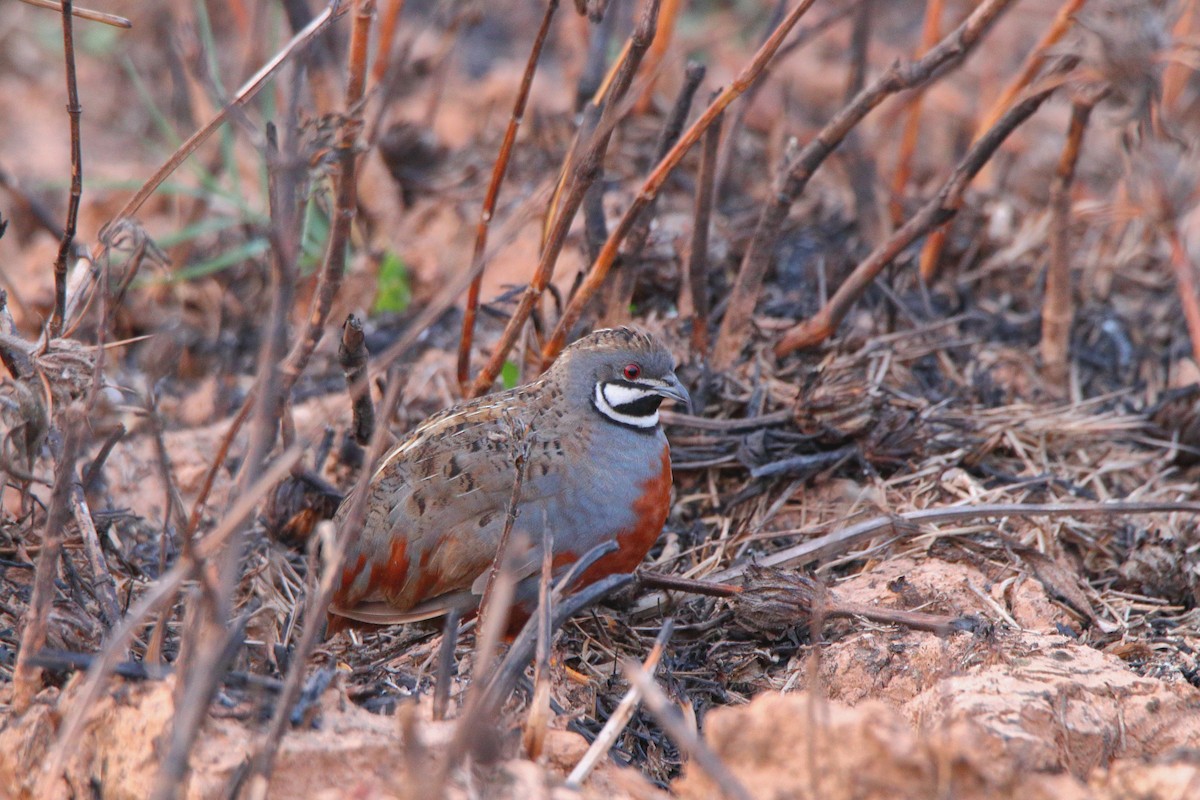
674 390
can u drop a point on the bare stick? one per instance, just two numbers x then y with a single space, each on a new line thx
387 33
352 355
82 13
346 202
698 255
1058 307
26 677
658 50
621 290
583 175
538 717
942 207
650 188
930 33
68 238
684 737
103 585
621 715
490 198
794 178
1185 280
445 661
931 252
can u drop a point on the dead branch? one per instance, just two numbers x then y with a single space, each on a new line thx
697 268
490 198
1034 62
74 111
352 355
582 174
26 677
942 207
82 13
931 31
658 176
1058 306
949 53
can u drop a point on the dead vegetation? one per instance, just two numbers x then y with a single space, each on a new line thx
935 527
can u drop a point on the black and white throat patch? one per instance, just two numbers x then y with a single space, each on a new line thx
627 403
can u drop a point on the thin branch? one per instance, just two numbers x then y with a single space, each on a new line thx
949 53
352 355
621 290
931 31
650 188
697 267
346 202
490 198
74 110
82 13
1034 62
1058 305
582 175
26 677
943 206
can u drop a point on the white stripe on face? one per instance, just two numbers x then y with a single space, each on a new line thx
620 395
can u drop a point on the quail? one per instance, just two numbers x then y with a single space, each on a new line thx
596 467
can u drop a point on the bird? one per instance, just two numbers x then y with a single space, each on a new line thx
596 468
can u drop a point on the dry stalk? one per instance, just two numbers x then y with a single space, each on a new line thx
658 51
582 175
620 293
537 720
621 715
445 661
685 738
103 586
1058 307
932 251
1185 280
82 13
949 53
346 202
931 31
944 205
697 268
352 355
387 34
490 198
1177 73
74 110
658 176
26 676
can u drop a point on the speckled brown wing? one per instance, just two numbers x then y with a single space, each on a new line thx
438 504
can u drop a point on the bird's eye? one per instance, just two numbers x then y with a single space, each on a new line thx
632 372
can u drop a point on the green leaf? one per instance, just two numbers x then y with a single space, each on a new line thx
394 291
509 374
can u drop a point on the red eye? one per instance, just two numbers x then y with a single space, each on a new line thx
632 371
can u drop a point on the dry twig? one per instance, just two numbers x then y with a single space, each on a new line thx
945 204
794 178
499 169
658 176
